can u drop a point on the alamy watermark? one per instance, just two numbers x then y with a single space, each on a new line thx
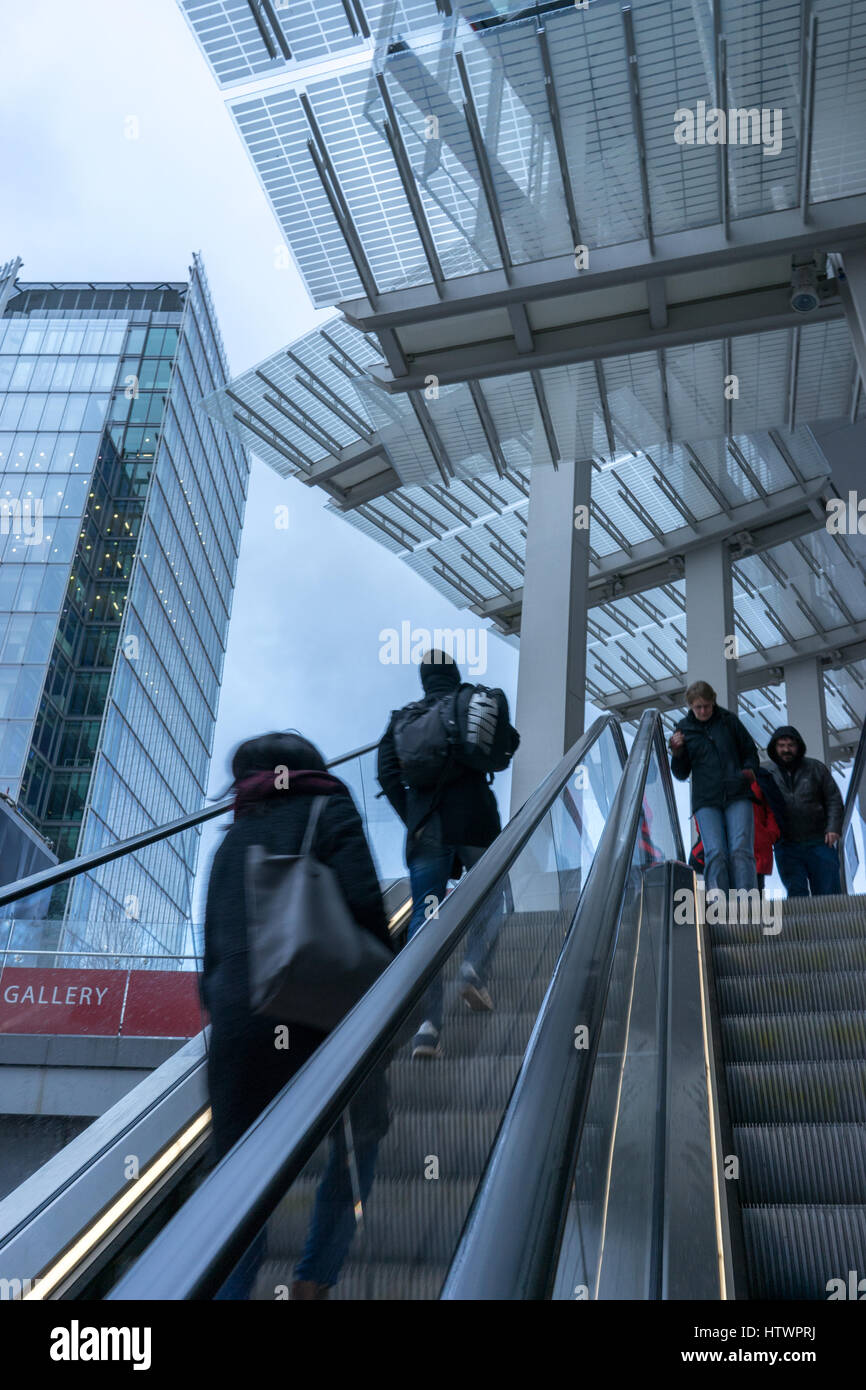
738 126
22 518
736 906
846 516
465 645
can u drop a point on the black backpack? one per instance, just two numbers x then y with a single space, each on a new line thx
487 740
469 728
425 737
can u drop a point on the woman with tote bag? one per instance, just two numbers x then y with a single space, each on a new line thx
286 805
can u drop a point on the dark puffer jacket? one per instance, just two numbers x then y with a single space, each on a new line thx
464 811
715 753
813 802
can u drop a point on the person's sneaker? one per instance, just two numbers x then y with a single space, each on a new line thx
426 1042
472 991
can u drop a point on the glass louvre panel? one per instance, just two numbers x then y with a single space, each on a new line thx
674 42
592 88
825 371
764 75
276 133
838 166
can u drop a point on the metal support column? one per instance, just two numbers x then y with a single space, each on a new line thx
807 711
551 684
710 633
852 289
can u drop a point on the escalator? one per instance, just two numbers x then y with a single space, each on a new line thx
659 1107
74 1227
792 1017
719 1142
444 1117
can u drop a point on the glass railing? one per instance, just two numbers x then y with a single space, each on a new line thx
385 831
611 1229
377 1210
854 824
567 1205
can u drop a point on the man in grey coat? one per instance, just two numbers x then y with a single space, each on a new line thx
807 856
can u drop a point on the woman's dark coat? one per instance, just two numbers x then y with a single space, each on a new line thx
715 752
246 1068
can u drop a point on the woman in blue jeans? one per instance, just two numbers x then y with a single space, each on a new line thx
719 754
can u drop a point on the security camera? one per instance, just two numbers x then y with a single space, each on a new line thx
804 288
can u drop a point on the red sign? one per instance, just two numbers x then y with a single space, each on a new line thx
162 1004
100 1003
61 1001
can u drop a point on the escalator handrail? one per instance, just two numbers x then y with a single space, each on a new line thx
84 863
855 786
511 1239
199 1247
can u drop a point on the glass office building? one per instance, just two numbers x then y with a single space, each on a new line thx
122 507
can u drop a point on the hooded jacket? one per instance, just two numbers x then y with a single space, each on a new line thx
813 802
716 751
463 811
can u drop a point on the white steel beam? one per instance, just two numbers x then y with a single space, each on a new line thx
751 528
839 224
763 310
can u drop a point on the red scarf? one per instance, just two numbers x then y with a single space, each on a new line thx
260 786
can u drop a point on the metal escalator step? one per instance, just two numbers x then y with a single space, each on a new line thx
359 1281
793 1252
468 1034
836 928
794 1037
778 956
511 994
840 905
459 1139
783 994
513 962
469 1083
797 1091
408 1220
801 1164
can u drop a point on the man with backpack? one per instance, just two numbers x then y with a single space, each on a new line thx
434 761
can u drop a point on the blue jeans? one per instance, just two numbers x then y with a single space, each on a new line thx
808 867
729 845
333 1225
429 871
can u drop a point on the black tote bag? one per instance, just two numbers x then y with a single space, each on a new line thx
309 961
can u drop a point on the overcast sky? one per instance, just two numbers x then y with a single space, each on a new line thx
81 201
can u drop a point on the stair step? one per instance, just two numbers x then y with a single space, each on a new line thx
785 994
460 1139
835 907
778 956
790 1092
470 1083
793 1252
839 927
801 1164
794 1037
374 1281
407 1220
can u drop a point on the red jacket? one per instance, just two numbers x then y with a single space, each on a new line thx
767 833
